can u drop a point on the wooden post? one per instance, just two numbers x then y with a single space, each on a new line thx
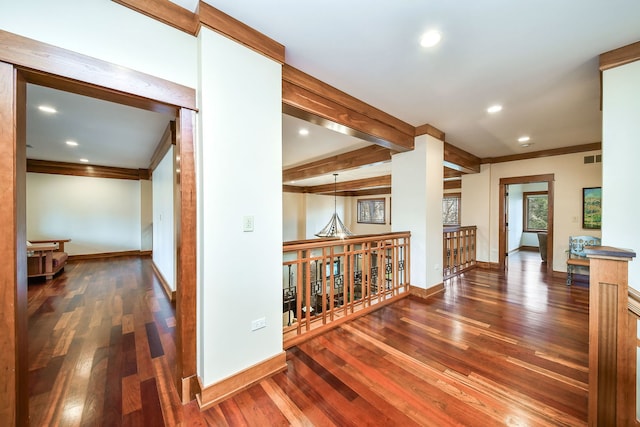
609 358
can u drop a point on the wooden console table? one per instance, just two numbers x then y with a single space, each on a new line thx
45 258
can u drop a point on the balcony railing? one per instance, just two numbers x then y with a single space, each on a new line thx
329 281
458 250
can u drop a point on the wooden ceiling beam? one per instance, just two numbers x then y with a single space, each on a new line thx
309 95
451 173
453 184
545 153
460 160
427 129
339 162
620 56
342 188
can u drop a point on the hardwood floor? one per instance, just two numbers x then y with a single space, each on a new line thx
493 349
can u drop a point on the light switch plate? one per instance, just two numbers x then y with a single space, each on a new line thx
247 223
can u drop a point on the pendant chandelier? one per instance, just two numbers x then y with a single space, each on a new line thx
335 227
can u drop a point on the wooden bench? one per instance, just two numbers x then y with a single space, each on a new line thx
576 255
45 258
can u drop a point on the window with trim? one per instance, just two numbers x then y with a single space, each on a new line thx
451 209
535 209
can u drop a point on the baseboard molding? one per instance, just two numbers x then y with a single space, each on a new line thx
488 265
86 257
190 388
216 393
426 293
171 294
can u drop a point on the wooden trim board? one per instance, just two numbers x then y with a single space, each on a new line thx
215 393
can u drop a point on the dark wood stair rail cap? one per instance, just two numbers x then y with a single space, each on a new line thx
609 252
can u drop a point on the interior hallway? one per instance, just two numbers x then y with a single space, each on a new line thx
493 349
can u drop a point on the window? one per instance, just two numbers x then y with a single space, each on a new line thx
451 209
535 210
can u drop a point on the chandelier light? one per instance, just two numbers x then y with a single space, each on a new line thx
335 227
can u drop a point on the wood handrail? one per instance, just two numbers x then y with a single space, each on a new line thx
329 281
318 243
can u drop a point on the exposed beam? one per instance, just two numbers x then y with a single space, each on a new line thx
166 141
620 56
339 162
453 184
357 184
545 153
94 171
427 129
451 173
370 185
369 192
460 160
306 93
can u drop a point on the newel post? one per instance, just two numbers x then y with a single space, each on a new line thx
609 356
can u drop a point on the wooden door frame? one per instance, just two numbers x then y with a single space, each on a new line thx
23 61
502 239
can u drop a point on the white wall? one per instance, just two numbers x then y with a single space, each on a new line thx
164 230
306 214
320 208
476 200
620 130
240 172
294 220
106 30
416 190
98 214
480 199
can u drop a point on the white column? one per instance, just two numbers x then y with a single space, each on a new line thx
620 156
239 161
416 203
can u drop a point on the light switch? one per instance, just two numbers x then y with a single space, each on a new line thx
247 223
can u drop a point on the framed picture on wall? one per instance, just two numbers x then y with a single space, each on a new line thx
371 211
592 208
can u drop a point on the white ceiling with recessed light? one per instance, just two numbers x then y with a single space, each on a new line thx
106 133
537 59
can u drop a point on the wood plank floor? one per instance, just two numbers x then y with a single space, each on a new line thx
493 349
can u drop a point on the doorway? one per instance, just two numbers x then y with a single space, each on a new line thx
503 246
67 71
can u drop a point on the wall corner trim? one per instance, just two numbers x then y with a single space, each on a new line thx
426 293
216 393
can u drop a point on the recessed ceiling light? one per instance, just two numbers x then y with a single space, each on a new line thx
430 38
494 109
72 143
523 139
84 160
47 109
526 144
303 132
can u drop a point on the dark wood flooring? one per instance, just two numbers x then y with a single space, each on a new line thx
493 349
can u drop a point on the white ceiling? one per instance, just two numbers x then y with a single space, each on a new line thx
107 134
539 59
